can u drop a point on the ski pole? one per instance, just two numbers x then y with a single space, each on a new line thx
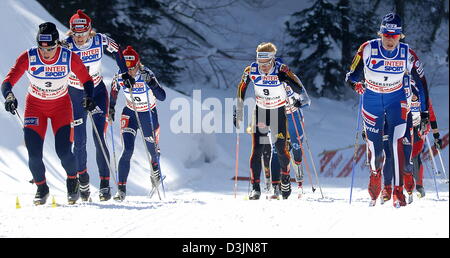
142 134
155 142
442 165
101 144
433 165
237 163
114 153
358 124
20 119
309 150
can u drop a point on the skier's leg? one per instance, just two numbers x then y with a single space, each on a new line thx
35 127
255 159
35 144
406 167
295 143
61 116
279 138
388 169
99 131
275 167
276 175
396 115
128 133
151 134
259 138
278 127
79 135
99 117
267 157
373 116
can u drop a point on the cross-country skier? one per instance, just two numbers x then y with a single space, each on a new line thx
141 89
293 105
420 131
48 67
89 45
269 78
383 62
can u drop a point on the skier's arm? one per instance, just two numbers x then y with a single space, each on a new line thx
287 76
433 121
238 113
434 127
80 70
243 84
116 51
152 82
418 75
354 76
15 73
115 88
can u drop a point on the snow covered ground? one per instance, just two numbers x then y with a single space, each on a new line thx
199 198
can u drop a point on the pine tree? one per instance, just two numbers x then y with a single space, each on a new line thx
316 33
128 23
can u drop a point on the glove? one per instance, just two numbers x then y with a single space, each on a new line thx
88 103
112 112
237 117
128 81
437 141
298 103
153 84
359 88
11 103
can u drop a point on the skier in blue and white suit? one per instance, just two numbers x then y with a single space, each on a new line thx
141 89
90 45
294 116
383 62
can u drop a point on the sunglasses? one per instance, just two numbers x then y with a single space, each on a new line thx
267 63
81 34
394 36
47 49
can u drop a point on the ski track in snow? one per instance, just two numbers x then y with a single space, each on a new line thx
203 214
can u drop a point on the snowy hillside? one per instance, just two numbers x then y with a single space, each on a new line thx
199 191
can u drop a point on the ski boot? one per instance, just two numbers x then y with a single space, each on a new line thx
374 186
41 195
399 197
386 194
255 194
420 191
121 193
155 176
105 190
73 190
276 192
84 186
285 186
